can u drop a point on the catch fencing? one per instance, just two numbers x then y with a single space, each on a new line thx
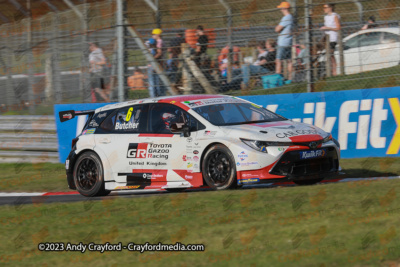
45 59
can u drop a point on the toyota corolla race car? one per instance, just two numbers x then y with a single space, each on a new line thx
180 142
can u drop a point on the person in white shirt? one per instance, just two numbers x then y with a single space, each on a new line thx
331 28
97 62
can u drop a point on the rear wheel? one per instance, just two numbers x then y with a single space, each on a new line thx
308 182
219 170
89 176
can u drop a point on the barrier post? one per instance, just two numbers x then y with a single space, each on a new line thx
328 56
341 55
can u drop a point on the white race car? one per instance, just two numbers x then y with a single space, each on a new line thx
180 142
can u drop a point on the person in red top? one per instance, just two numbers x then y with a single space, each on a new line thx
225 51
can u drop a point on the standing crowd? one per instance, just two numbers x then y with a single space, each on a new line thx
273 56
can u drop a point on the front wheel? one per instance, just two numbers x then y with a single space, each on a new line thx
218 166
88 175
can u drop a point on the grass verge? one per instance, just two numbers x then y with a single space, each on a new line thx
341 224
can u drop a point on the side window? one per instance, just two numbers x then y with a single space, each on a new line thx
372 38
390 38
130 120
353 42
163 115
108 123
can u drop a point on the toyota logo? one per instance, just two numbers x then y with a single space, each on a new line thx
313 145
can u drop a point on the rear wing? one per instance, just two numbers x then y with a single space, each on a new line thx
70 114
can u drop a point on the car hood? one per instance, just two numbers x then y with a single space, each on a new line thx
278 131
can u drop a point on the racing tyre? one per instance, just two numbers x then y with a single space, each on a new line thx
218 166
88 175
308 182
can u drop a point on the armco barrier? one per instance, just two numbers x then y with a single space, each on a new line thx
29 139
365 122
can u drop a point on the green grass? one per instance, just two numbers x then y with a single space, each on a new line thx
343 224
44 177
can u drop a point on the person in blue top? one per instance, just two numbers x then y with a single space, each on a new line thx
284 28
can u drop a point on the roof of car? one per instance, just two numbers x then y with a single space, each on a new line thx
176 100
394 30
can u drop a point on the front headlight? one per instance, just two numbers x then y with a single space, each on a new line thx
262 145
327 139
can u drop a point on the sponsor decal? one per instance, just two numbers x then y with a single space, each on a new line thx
263 149
296 133
67 164
128 187
196 158
93 123
137 150
172 102
126 125
189 165
210 133
189 139
88 131
238 164
184 158
195 152
281 149
249 181
312 154
196 166
256 106
145 150
102 115
249 163
188 176
243 156
67 116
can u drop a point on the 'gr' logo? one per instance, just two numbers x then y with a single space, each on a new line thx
137 150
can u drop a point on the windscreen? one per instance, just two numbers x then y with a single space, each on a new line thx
236 113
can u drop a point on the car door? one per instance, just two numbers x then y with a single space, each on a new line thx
371 50
351 53
167 156
119 139
390 49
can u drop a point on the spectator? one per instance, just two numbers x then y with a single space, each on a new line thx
225 52
284 51
370 24
156 87
97 61
175 44
136 81
152 45
159 45
201 45
262 52
304 56
331 28
263 66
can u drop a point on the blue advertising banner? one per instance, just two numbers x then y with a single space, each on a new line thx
365 122
68 130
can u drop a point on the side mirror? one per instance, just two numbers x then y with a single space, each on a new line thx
180 128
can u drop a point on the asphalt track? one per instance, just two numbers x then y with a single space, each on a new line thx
73 196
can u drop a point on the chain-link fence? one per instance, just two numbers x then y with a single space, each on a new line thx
51 60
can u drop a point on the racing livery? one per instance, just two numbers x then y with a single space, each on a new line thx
190 141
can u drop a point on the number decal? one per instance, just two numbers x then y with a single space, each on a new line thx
129 114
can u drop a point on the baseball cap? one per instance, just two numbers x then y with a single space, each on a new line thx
156 31
284 5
